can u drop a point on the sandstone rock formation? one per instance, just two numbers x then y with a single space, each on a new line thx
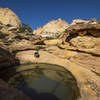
52 28
9 93
79 52
79 21
24 45
7 16
81 30
53 42
6 59
87 76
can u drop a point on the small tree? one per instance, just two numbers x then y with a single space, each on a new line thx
25 29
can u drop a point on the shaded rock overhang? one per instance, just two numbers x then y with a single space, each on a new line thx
81 30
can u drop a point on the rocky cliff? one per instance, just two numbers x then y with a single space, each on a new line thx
7 16
77 50
52 28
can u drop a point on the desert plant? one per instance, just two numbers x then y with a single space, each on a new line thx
8 25
25 29
49 38
98 21
92 20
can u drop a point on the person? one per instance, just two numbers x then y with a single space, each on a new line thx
36 54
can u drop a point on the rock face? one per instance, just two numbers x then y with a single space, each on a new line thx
83 66
52 28
79 21
10 93
53 42
83 42
79 52
6 59
7 16
88 52
81 30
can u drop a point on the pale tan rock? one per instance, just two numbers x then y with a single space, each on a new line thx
7 16
83 42
88 82
53 42
64 54
51 28
79 21
81 30
87 61
12 28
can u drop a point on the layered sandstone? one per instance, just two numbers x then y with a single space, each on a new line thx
7 16
79 21
52 28
81 30
79 53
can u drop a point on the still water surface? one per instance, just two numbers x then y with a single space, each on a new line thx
45 82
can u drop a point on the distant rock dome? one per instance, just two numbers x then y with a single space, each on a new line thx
51 28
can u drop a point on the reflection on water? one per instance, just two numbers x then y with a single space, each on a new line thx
45 82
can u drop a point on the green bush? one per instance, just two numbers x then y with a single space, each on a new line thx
98 21
8 25
25 29
49 38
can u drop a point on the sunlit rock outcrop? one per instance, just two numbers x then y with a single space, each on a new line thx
52 28
79 21
7 16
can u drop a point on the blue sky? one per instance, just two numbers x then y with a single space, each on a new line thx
38 12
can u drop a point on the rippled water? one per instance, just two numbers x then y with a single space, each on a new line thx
44 82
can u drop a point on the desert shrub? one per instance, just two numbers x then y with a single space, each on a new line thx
98 21
8 25
25 29
49 38
92 20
